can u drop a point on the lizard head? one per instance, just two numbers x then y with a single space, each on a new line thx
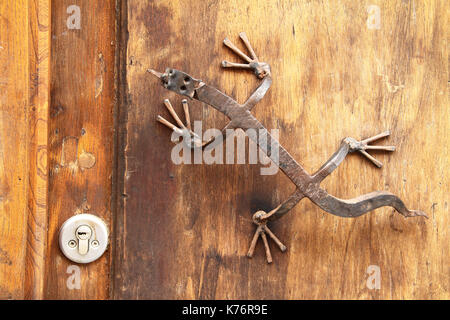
178 81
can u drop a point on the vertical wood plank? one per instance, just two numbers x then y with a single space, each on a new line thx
39 56
80 127
185 230
14 145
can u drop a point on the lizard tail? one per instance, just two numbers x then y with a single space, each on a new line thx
360 205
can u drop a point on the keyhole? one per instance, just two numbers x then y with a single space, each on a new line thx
83 233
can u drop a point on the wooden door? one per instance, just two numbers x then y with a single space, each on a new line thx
83 110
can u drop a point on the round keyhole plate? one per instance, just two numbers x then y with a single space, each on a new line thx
97 239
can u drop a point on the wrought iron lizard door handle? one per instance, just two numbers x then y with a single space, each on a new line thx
306 185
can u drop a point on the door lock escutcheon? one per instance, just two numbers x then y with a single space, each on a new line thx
83 238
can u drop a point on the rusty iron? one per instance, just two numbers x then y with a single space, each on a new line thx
306 185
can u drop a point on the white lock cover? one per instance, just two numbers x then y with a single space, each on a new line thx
83 238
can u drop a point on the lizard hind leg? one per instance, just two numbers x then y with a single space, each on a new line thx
363 145
262 231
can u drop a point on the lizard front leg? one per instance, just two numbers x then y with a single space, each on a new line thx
190 138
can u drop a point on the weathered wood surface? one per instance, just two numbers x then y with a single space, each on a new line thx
24 95
81 132
185 229
39 14
77 126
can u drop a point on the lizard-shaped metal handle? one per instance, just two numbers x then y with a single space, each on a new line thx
306 185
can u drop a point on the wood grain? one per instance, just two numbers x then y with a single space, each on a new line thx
40 28
185 229
81 121
24 87
14 147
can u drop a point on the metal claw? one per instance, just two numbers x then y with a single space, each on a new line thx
186 113
236 50
376 137
266 246
173 113
251 250
244 39
374 161
275 239
384 148
169 125
227 64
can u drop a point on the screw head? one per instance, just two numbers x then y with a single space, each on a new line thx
95 243
72 243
